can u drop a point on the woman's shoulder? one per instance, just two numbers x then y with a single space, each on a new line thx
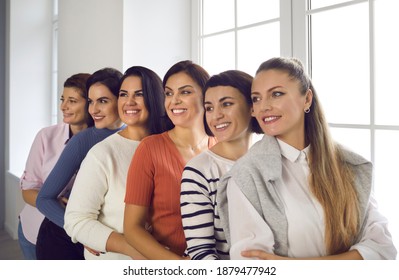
351 157
113 144
203 161
55 130
155 139
208 165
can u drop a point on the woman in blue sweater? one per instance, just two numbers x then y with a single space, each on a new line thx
52 241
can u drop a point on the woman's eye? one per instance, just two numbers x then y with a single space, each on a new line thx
90 101
227 104
277 94
122 94
168 93
185 92
208 109
138 94
255 99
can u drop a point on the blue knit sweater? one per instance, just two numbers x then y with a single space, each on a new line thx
66 167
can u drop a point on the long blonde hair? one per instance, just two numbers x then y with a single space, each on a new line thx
331 179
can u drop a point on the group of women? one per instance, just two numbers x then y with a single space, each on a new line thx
169 171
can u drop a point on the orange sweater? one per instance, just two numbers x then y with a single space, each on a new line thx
153 180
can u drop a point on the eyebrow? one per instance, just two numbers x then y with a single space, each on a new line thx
224 98
123 90
273 88
220 100
269 90
180 88
103 98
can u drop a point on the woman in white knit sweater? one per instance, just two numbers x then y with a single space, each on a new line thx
94 213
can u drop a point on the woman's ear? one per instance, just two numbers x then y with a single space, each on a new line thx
308 98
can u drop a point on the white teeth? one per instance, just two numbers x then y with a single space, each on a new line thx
222 125
178 111
132 112
269 119
98 118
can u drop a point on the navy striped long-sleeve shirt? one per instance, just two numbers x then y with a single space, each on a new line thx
204 235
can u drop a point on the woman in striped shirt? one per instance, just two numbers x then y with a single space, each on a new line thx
228 107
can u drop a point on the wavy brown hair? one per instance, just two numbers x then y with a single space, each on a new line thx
331 179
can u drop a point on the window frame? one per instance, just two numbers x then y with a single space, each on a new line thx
296 41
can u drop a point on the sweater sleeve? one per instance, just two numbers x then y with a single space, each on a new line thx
66 167
197 215
84 204
140 177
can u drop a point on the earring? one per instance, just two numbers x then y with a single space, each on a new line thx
307 110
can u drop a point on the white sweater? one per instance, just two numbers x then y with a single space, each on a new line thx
96 205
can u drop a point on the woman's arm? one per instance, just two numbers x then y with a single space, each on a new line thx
30 196
31 180
198 215
248 231
376 240
94 189
262 255
117 243
47 200
137 236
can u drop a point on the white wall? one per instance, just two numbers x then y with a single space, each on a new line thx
28 94
89 36
29 72
92 34
156 34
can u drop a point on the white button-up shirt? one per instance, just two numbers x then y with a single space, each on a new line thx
304 214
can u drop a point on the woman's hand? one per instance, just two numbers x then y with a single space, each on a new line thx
261 255
92 251
63 201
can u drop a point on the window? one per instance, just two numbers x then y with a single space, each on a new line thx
348 49
248 33
350 62
54 66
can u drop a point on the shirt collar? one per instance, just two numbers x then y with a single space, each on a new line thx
291 153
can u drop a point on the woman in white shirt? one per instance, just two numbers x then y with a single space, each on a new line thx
297 193
94 213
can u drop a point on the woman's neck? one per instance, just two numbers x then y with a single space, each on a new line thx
76 128
186 138
115 125
234 149
134 132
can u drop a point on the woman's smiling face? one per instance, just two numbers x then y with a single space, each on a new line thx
279 105
227 113
103 107
183 100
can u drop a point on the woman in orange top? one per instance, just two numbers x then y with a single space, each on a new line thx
153 181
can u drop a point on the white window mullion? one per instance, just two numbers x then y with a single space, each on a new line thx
235 35
286 24
196 24
372 80
300 36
